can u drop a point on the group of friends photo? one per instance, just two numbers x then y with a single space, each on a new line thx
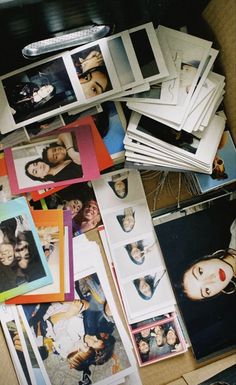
158 341
79 199
78 341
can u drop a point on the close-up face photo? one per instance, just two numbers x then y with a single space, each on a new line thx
38 169
120 188
143 346
6 254
94 82
56 154
22 254
206 278
74 205
91 210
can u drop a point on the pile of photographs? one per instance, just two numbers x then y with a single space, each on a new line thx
174 125
138 267
69 205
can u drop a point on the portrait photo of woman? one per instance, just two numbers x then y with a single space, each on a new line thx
203 273
127 220
92 72
147 291
38 90
147 285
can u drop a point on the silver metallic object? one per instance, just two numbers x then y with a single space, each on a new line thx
66 40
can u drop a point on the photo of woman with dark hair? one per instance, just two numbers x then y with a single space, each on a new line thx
92 72
88 217
212 275
203 272
135 251
127 220
119 184
39 170
60 161
138 250
147 285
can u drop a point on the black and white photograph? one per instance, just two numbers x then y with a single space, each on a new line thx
23 264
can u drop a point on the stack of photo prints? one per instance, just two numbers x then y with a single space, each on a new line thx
73 210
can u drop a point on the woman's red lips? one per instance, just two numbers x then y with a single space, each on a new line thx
222 275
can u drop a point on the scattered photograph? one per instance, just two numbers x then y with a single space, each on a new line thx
23 265
148 52
13 138
50 229
146 292
79 199
44 126
92 72
81 340
111 124
202 273
68 257
223 166
180 139
125 60
126 223
58 158
159 341
38 89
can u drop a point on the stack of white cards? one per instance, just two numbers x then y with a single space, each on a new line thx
175 125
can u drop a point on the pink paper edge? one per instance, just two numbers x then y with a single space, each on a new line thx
69 296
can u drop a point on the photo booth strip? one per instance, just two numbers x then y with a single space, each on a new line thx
117 203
